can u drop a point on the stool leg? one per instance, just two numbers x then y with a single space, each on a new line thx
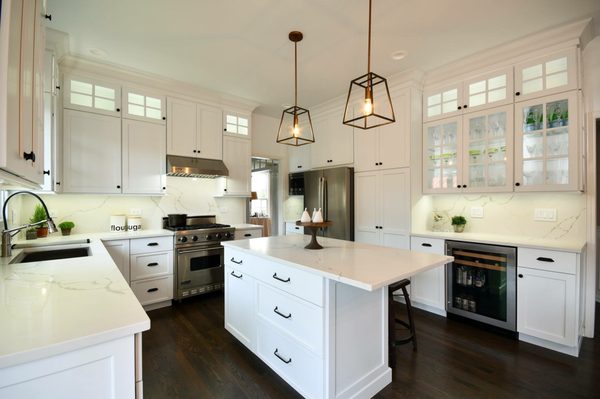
410 318
391 331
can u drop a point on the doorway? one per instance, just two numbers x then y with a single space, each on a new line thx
263 208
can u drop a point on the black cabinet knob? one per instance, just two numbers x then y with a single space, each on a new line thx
164 118
48 17
47 172
164 188
29 156
118 186
458 186
517 184
464 186
518 93
465 106
118 109
194 151
520 276
459 107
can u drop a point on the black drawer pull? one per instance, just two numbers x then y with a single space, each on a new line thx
248 235
543 259
152 244
520 276
286 361
152 290
152 264
426 244
238 262
297 228
287 280
235 275
276 310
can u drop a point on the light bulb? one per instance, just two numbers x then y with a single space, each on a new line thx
368 107
296 130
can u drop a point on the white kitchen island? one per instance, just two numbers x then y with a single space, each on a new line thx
319 318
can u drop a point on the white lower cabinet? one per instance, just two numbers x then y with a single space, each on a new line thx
548 310
291 228
244 234
239 306
119 252
428 289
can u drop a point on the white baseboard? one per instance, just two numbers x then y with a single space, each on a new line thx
567 350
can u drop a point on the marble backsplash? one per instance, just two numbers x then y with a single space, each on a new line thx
91 213
506 214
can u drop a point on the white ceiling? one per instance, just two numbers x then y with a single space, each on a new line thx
241 47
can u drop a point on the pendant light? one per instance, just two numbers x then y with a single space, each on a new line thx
369 103
295 127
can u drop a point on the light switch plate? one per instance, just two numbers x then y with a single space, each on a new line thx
477 212
544 214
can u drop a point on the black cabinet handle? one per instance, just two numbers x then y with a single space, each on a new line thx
194 151
544 259
152 244
465 106
29 156
247 235
152 290
57 87
297 228
517 184
118 109
47 172
459 107
152 264
299 166
426 244
518 93
118 186
458 186
287 280
464 186
58 183
286 361
238 262
276 310
48 17
520 276
235 275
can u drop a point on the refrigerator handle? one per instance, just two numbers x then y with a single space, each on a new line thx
320 193
325 201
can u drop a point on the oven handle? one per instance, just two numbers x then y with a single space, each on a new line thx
189 251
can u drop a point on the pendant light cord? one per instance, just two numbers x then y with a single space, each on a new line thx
295 74
369 47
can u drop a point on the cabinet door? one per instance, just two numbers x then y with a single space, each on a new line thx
442 102
366 149
144 152
429 288
320 151
489 90
546 305
554 73
546 144
488 150
142 105
238 159
119 252
394 138
299 158
394 196
240 306
90 94
210 133
366 207
334 142
442 167
181 127
92 153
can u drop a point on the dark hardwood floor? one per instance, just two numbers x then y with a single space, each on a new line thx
188 354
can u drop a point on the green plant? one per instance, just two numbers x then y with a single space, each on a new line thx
66 225
458 220
39 214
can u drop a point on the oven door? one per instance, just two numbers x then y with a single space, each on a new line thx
199 270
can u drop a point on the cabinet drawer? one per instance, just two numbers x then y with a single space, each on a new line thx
430 245
296 365
152 244
544 259
301 320
291 228
151 265
154 290
243 234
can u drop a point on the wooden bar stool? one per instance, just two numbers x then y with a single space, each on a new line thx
394 322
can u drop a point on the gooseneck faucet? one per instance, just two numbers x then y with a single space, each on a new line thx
7 233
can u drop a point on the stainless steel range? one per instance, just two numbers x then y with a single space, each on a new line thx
199 256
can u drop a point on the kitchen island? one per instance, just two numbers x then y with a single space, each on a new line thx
319 318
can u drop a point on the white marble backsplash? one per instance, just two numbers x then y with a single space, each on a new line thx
507 214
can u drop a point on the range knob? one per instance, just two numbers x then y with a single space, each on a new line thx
183 239
209 237
218 236
228 235
195 238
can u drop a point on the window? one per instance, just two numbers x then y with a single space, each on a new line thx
236 124
144 106
86 94
261 185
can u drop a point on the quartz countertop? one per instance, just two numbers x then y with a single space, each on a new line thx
576 246
57 306
246 226
364 266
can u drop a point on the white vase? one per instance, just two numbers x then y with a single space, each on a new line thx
318 216
305 216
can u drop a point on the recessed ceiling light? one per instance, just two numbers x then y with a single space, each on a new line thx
398 55
96 52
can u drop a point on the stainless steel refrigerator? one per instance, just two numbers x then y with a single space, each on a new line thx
332 190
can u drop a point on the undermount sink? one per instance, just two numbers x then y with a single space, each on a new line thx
45 253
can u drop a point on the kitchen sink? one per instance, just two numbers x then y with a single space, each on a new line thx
44 253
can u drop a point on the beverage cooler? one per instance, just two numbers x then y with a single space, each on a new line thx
481 283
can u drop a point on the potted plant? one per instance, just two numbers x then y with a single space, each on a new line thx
31 234
39 214
458 222
65 227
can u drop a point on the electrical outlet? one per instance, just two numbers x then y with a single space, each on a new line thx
477 212
544 214
135 212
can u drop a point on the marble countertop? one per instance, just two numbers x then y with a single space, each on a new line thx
364 266
52 307
246 226
576 246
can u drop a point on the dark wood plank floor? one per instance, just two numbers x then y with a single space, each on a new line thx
188 354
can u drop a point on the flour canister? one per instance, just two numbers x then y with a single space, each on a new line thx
118 223
134 223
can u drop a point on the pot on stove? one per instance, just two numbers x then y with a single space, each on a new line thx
177 219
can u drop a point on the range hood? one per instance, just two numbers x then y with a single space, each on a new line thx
195 167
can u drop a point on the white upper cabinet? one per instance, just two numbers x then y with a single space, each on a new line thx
442 164
334 142
91 95
145 106
299 158
237 156
144 152
546 144
236 124
554 73
442 102
194 130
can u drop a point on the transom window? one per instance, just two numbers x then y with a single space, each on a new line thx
86 94
144 106
236 124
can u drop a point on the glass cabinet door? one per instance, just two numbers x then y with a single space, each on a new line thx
488 91
442 102
487 157
546 146
442 164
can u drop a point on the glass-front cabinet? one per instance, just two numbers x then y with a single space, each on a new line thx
442 162
546 144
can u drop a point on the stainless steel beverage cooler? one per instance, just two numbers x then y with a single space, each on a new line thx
481 283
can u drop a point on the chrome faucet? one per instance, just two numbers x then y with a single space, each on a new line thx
7 233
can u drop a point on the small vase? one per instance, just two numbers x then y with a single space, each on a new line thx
458 228
42 232
65 232
31 235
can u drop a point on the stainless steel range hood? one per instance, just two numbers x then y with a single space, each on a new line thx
195 167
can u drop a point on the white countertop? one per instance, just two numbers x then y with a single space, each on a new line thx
52 307
576 246
364 266
247 226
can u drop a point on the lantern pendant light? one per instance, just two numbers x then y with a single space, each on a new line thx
369 103
295 127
